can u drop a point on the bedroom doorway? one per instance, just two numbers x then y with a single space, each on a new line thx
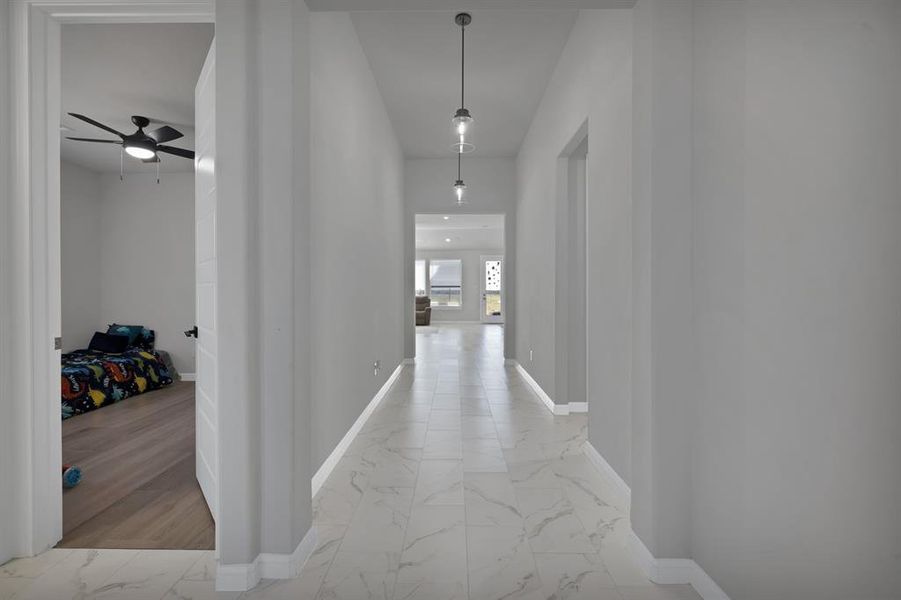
34 520
139 418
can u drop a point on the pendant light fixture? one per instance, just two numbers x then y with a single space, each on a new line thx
462 120
459 186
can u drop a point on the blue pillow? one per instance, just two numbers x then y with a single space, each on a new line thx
130 331
108 343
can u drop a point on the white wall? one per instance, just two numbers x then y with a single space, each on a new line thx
128 257
797 226
592 82
146 237
356 221
491 189
11 470
81 236
472 273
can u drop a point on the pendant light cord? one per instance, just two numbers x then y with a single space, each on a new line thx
459 158
462 66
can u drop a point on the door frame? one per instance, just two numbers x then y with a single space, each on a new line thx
483 318
33 235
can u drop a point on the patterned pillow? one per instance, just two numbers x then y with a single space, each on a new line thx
138 335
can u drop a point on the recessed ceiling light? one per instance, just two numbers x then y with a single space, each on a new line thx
448 240
447 218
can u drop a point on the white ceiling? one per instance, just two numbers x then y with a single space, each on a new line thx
465 232
113 71
326 5
415 57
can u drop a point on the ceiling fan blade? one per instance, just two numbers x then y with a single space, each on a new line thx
81 139
165 134
176 151
97 124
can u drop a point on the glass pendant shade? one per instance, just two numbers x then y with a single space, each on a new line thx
460 191
462 123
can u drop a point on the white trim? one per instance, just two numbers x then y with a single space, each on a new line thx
288 566
31 235
267 565
188 376
601 464
658 570
556 409
578 407
329 465
675 571
238 578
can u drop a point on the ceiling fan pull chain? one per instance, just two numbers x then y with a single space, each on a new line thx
121 163
157 171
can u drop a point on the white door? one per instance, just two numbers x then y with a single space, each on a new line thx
492 289
207 417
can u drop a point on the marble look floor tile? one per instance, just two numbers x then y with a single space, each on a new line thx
446 402
533 474
434 546
309 580
575 577
11 586
523 453
471 391
339 496
34 566
445 419
430 591
198 590
400 413
379 523
551 522
622 568
483 455
440 483
147 576
80 573
501 565
443 445
388 435
473 427
361 585
475 407
203 569
491 500
659 592
389 467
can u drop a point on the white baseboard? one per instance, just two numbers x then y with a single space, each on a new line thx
601 464
659 570
675 571
578 407
267 565
328 466
556 409
238 578
188 376
287 566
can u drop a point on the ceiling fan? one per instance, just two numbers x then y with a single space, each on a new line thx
144 146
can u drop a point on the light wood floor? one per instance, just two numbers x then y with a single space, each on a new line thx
138 488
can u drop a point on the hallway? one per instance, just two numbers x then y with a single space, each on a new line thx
463 485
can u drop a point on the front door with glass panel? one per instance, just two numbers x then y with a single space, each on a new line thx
492 288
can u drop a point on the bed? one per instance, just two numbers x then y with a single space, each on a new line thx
92 379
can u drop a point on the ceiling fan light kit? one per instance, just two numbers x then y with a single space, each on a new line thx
143 146
462 120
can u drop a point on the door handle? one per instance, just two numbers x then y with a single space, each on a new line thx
192 332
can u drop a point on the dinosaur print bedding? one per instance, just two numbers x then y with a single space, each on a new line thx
91 380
